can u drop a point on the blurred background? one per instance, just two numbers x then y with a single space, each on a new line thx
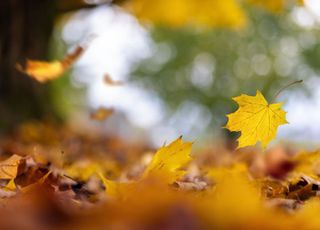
181 62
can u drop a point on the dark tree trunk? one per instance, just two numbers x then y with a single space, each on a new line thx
25 31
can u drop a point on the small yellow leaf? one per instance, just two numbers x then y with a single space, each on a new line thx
11 186
256 119
9 167
168 160
45 71
85 168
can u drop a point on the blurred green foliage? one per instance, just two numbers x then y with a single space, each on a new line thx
208 67
65 98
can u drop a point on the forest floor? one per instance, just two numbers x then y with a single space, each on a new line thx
53 177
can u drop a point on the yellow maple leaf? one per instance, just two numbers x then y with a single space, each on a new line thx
168 160
165 167
256 119
9 167
45 71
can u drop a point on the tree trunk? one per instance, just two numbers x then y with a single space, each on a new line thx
25 31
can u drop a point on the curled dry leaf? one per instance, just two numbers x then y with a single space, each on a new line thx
109 81
190 185
101 114
45 71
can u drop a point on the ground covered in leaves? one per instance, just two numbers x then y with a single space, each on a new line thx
57 178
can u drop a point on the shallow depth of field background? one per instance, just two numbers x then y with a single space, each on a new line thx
179 80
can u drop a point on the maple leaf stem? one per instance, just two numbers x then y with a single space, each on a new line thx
283 88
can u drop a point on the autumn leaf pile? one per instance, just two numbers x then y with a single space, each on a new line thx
59 178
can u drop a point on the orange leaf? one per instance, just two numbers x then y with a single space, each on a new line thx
45 71
101 114
109 81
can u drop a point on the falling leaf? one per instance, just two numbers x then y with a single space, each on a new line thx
256 119
9 167
45 71
168 161
109 81
101 114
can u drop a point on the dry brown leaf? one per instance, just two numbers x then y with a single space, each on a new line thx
101 114
190 185
109 81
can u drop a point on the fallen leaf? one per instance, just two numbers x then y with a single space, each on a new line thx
101 114
109 81
45 71
165 166
115 189
308 163
233 198
218 174
9 167
84 169
168 161
11 186
256 119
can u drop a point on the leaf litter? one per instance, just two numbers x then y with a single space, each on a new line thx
108 182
